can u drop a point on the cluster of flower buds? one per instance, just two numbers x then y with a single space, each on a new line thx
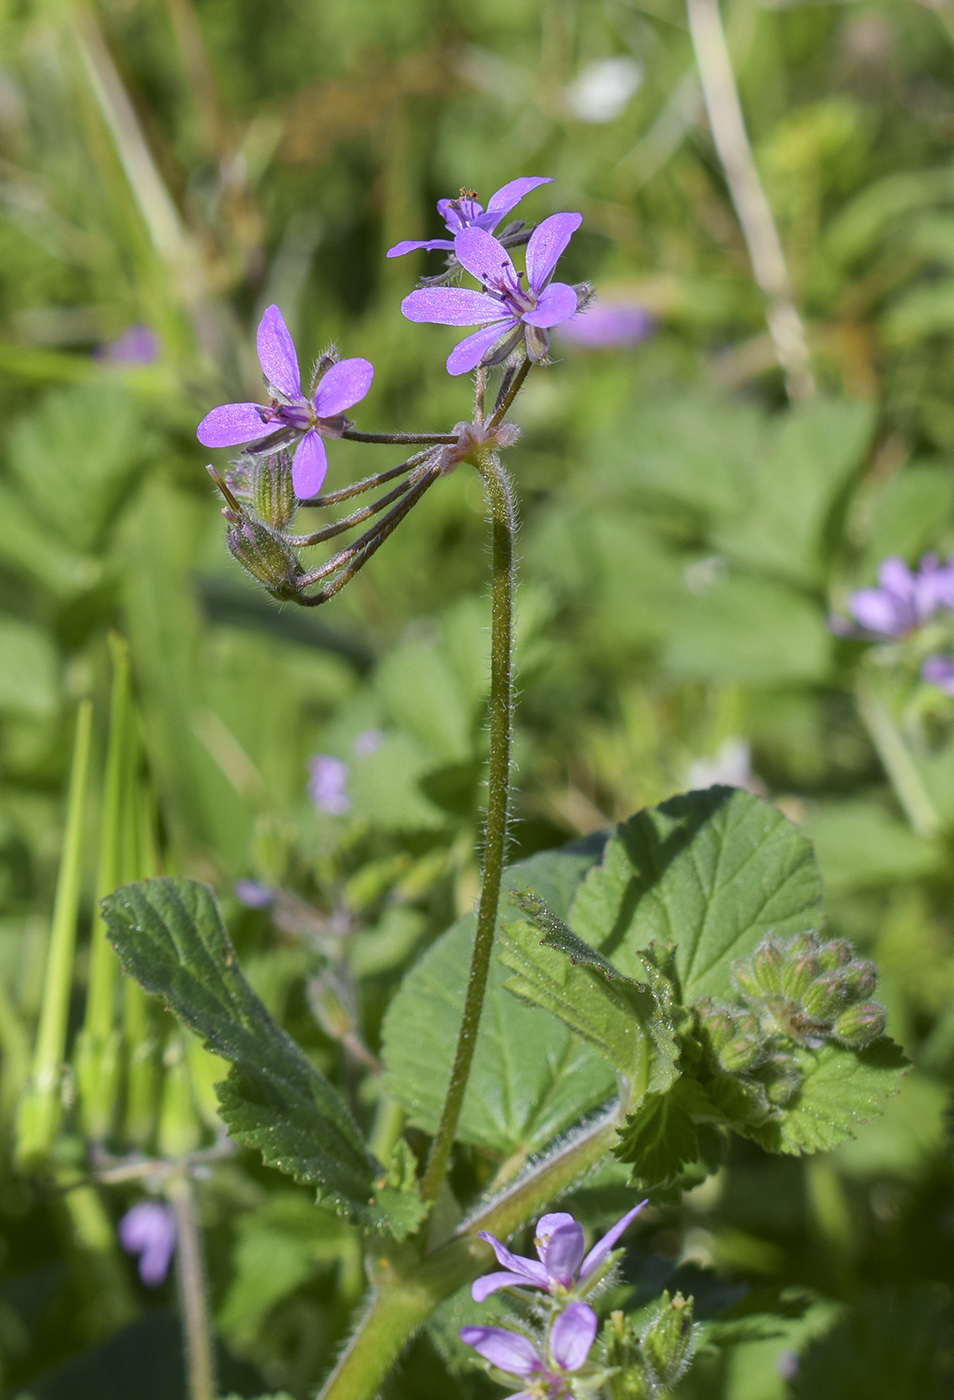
643 1362
283 462
799 991
550 1358
908 606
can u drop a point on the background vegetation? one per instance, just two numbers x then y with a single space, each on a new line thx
685 537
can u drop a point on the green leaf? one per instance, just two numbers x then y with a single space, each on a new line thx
29 679
170 937
841 1089
660 1136
620 1017
531 1078
711 872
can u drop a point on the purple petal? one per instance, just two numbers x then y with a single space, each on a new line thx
939 670
507 1350
276 354
508 195
895 576
483 257
149 1230
469 352
880 611
309 466
603 1246
546 244
556 303
451 306
410 246
571 1336
528 1269
346 383
490 1283
234 423
562 1252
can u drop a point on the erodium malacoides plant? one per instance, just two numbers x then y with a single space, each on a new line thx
683 968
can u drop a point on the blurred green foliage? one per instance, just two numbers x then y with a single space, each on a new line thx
685 537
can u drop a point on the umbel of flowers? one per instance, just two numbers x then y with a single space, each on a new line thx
553 1357
283 461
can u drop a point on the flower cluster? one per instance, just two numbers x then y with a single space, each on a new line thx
903 604
555 1361
284 462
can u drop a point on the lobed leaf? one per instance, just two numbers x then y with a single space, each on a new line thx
170 937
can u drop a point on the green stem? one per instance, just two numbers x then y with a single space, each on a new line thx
193 1299
401 1305
513 389
501 506
40 1106
899 765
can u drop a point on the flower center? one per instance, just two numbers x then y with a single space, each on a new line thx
504 284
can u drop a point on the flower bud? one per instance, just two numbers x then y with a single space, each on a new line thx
837 953
858 1025
264 554
784 1081
629 1380
768 964
328 1001
271 492
668 1339
825 997
860 979
806 942
798 974
745 980
735 1036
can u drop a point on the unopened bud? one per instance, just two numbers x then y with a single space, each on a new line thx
805 942
858 1025
271 492
328 1001
744 977
628 1380
783 1082
860 979
798 975
668 1339
837 953
825 997
264 554
768 963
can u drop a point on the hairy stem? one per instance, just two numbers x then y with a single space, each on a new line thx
751 205
500 503
399 1306
898 763
401 439
193 1298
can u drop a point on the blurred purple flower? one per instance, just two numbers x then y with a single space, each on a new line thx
290 411
568 1346
559 1246
367 742
611 324
465 212
136 346
939 671
327 786
149 1230
903 601
253 894
503 308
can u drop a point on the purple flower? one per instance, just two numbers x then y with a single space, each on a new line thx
503 308
903 600
939 671
567 1349
559 1246
465 212
609 325
290 411
367 742
253 894
136 346
327 786
149 1230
